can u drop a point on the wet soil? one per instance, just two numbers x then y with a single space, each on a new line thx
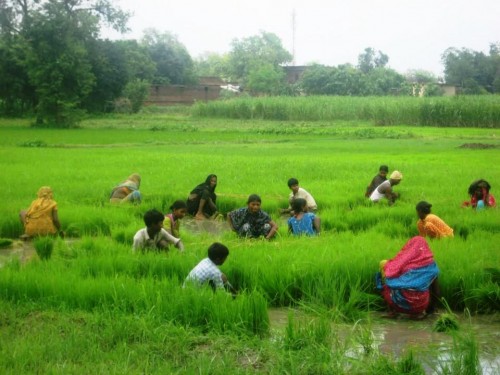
395 337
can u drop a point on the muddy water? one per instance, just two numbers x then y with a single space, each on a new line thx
19 250
395 337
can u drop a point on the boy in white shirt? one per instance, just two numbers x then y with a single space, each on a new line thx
154 237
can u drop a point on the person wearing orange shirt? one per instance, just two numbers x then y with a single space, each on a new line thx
430 225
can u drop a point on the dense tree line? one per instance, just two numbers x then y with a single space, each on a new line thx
54 64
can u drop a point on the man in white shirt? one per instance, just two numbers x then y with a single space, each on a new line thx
298 192
154 237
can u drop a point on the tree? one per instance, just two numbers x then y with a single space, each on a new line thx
266 79
249 54
371 59
475 72
173 62
212 65
53 37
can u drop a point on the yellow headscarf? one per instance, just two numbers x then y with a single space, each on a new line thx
42 204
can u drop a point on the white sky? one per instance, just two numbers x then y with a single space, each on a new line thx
414 33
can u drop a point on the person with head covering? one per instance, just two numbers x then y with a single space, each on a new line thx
201 202
41 218
408 282
384 190
377 180
430 225
480 197
127 191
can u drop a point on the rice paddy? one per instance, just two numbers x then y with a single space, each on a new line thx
94 306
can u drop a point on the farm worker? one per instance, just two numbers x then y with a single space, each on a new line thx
303 222
377 180
41 218
430 225
207 271
127 191
298 192
251 221
172 220
384 190
201 202
479 192
154 237
408 282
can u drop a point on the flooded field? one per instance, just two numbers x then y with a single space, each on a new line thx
394 337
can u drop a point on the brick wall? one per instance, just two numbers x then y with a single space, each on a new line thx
179 94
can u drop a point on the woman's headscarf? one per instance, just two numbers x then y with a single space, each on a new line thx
205 186
414 254
43 203
133 182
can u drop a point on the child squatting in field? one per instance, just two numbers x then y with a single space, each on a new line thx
251 221
172 223
154 237
303 222
298 192
207 271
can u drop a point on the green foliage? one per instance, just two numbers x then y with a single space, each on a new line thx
5 242
447 112
173 62
475 72
44 247
447 322
253 52
136 92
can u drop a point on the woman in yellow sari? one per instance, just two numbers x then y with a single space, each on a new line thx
41 218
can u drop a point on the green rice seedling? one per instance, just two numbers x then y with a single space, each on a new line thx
409 365
5 242
44 247
464 357
446 322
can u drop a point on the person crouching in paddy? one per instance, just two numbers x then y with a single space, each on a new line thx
207 271
251 221
172 224
303 222
384 190
408 282
154 237
430 225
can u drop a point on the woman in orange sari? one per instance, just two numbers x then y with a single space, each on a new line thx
41 218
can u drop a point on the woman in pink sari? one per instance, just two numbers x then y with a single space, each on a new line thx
406 280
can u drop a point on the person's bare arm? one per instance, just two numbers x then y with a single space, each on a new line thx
272 231
317 224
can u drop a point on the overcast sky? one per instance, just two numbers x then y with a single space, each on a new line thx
413 33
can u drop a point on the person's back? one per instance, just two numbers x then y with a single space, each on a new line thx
41 218
207 271
303 222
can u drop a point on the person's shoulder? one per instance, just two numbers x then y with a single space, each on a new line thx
310 214
140 232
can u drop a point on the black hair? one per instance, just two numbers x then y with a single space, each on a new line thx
217 251
424 207
292 181
479 184
254 198
207 181
298 205
152 217
178 205
384 168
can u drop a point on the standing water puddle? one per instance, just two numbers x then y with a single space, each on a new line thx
395 337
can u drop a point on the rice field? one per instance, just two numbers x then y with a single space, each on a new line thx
94 306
